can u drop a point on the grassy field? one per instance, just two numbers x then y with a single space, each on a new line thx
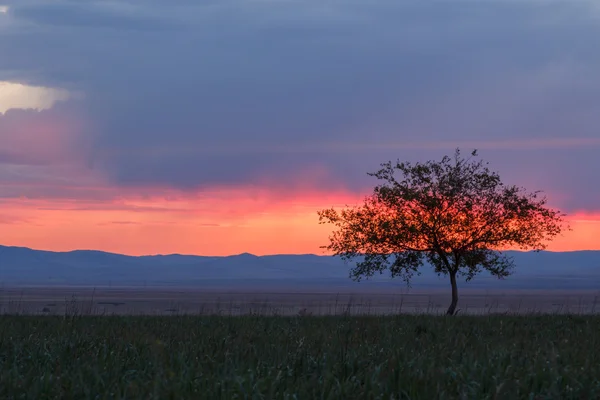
325 357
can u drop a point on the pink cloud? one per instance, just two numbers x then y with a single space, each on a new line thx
29 137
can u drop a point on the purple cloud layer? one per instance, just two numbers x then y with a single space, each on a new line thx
191 94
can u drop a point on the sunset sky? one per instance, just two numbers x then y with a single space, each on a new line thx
221 127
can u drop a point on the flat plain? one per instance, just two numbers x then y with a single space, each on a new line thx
89 343
286 301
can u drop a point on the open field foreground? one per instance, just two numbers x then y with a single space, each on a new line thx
287 301
336 357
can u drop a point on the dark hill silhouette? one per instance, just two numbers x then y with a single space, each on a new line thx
24 266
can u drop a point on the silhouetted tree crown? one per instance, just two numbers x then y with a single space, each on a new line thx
456 214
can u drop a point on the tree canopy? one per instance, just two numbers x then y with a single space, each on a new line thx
455 214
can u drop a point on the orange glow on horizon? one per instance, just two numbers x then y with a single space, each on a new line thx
218 222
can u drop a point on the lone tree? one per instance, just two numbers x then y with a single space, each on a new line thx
456 214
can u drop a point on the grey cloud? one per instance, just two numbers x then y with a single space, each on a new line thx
82 14
15 158
283 77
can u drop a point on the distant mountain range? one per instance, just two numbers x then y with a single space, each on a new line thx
21 266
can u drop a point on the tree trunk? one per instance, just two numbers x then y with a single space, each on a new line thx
452 308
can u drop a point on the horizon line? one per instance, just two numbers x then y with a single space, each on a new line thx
243 253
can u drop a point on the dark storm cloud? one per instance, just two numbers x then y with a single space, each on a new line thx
193 94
